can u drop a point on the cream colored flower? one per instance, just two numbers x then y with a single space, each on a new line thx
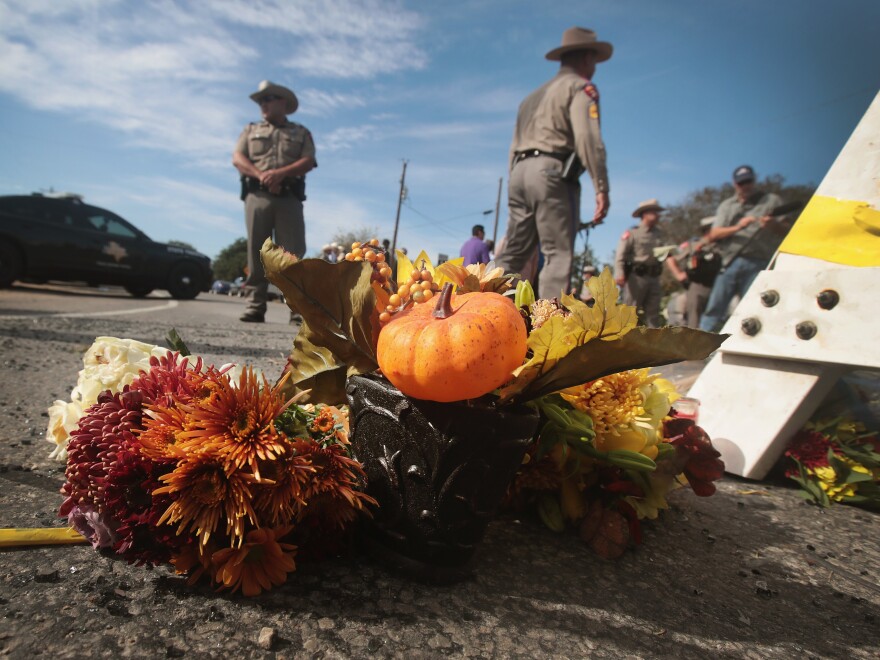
108 364
63 418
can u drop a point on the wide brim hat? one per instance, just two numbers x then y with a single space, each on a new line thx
268 87
707 222
648 205
578 38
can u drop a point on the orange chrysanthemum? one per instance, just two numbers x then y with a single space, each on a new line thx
336 475
203 492
260 563
195 560
280 496
161 435
238 422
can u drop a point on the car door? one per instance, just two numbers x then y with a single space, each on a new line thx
118 251
46 229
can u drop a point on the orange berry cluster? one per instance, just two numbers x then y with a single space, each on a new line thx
418 289
371 252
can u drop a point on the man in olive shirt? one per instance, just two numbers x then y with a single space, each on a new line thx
637 266
557 120
273 157
747 235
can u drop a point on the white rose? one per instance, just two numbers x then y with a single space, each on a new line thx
63 418
108 364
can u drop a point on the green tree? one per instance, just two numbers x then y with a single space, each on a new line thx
182 244
231 261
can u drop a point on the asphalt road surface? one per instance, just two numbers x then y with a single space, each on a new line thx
752 572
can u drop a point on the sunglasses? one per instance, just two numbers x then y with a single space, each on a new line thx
268 98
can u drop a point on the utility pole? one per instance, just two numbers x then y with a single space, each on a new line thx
399 203
497 209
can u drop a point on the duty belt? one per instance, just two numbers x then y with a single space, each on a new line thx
649 270
531 153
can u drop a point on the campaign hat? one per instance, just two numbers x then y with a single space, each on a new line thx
267 87
578 38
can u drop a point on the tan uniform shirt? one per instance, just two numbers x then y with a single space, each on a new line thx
562 116
636 246
269 147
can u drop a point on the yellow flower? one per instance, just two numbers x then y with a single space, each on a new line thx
827 478
612 400
627 409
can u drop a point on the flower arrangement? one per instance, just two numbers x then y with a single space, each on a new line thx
606 453
835 460
215 473
224 477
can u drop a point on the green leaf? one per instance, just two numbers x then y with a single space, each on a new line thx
337 338
630 460
175 343
639 348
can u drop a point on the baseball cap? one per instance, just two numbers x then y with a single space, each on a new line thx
589 269
743 173
707 222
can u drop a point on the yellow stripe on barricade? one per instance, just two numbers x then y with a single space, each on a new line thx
838 230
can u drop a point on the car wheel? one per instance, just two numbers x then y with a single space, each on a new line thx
10 264
139 291
184 281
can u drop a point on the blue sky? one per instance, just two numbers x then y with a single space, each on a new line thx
137 105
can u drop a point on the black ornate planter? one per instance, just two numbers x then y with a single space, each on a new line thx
438 471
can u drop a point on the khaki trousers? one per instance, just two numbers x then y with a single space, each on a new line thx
543 209
643 292
267 215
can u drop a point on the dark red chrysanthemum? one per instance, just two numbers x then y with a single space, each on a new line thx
106 428
810 448
169 377
128 497
695 455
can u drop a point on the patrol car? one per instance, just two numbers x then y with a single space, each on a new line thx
60 237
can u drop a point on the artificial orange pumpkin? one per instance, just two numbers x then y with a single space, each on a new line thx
461 348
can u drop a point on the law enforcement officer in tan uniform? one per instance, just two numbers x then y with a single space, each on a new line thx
637 267
557 137
273 157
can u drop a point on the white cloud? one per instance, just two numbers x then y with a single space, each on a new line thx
170 77
345 137
314 102
338 38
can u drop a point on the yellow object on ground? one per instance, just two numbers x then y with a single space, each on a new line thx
20 537
837 230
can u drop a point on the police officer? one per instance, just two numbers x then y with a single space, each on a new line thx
556 138
696 266
273 157
637 268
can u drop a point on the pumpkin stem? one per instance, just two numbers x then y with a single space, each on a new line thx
443 309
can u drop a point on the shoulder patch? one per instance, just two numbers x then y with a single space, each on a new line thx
683 246
591 91
626 235
594 111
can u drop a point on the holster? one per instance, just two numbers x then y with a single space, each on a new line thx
572 168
